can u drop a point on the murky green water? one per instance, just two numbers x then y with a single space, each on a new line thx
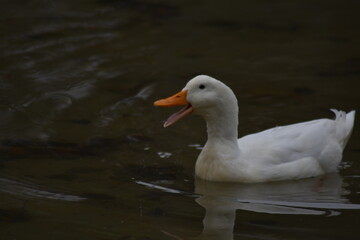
83 154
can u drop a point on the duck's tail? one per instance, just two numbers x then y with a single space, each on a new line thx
345 125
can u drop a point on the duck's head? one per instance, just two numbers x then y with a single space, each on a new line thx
203 95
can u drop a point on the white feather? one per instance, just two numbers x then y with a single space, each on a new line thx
290 152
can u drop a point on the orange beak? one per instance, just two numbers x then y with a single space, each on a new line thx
178 99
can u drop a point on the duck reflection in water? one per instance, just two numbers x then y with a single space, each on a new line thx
315 196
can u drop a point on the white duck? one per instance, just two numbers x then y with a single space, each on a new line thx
291 152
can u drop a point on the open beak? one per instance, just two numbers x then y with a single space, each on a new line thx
178 99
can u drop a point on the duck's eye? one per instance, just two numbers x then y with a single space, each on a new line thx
202 86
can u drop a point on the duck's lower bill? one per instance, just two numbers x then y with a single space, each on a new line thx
178 115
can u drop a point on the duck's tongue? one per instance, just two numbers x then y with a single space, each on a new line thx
178 115
178 99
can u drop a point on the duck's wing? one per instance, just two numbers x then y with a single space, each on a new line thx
322 139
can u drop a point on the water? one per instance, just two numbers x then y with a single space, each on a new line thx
83 154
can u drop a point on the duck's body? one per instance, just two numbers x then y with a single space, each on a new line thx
291 152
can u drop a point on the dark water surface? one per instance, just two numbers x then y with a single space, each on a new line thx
83 154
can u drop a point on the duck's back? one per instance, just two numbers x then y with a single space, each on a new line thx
322 140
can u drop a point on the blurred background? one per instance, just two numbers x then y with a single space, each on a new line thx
82 150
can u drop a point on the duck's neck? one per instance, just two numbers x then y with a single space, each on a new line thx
220 159
222 126
222 144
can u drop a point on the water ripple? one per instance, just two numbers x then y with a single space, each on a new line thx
28 189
